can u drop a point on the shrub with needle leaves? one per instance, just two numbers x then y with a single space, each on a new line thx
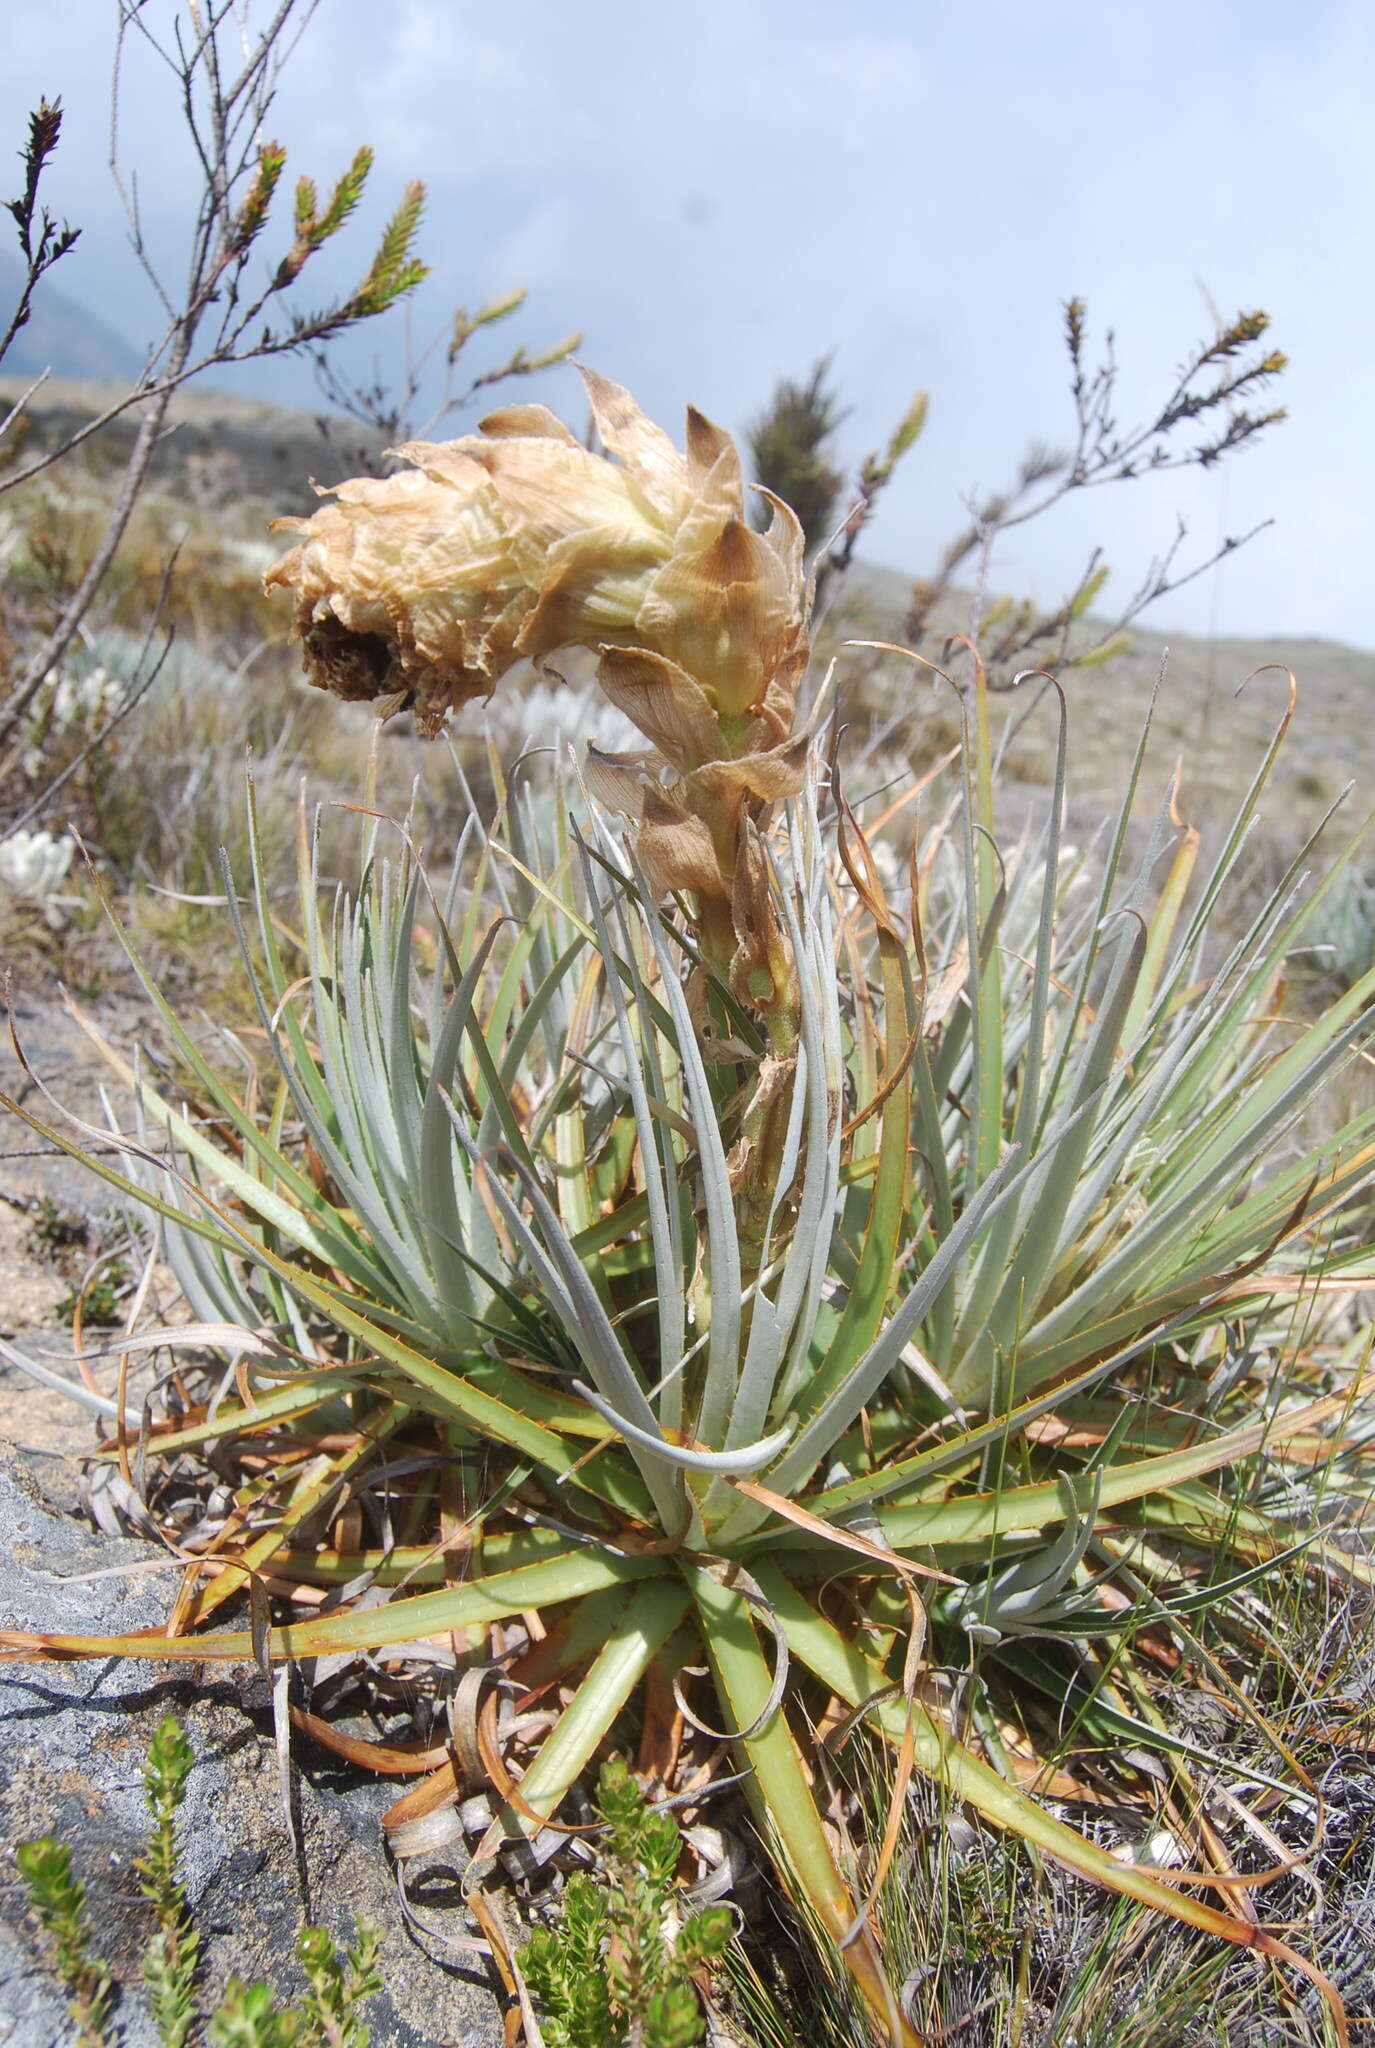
611 1971
169 1966
249 2015
790 444
58 1899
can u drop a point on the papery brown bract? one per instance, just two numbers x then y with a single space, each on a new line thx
406 588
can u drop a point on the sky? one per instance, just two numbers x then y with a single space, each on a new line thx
716 192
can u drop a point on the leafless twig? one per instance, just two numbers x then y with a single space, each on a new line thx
1214 389
220 314
392 408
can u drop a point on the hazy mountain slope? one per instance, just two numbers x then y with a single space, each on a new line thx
1215 735
256 458
222 449
60 335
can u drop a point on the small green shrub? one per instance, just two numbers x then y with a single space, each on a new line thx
58 1900
791 443
338 1981
169 1967
55 1230
611 1972
98 1300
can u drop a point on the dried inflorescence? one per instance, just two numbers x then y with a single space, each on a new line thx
422 589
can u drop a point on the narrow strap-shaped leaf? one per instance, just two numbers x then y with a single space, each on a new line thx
778 1788
1017 1509
990 1263
668 1274
441 1212
588 1329
954 1450
871 1290
723 1244
740 1458
841 1405
851 1676
1076 1008
569 1576
1211 1173
653 1612
308 1497
1054 1189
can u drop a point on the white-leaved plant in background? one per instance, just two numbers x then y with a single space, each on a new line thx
71 707
553 715
83 700
33 867
35 864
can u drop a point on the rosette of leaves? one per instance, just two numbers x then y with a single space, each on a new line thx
743 1325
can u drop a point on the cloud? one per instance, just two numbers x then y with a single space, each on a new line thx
718 192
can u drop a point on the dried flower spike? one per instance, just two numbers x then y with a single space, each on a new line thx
429 585
422 589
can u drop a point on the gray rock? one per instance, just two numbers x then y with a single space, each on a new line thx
73 1738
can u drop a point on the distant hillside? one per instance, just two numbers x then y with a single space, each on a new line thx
61 334
1215 735
224 450
254 459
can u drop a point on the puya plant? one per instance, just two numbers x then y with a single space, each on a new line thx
611 1969
248 2015
779 1283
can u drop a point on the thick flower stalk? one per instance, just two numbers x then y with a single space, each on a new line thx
422 589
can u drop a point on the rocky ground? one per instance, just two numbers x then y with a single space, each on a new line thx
73 1737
